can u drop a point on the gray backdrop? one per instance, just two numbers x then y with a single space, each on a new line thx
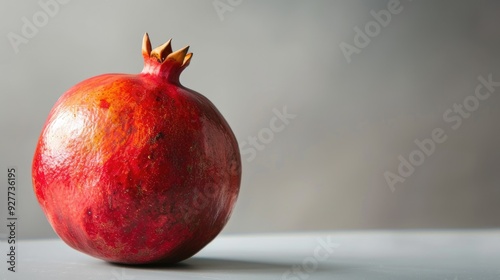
327 99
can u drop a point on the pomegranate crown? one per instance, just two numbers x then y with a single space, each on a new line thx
163 59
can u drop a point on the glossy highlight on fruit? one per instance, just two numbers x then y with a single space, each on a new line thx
136 168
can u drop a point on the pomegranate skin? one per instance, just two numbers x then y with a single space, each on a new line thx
137 169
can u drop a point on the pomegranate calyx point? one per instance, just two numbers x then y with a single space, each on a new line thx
180 55
164 52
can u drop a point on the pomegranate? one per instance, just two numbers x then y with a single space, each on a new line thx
136 168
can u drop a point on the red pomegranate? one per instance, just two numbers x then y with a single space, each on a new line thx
136 168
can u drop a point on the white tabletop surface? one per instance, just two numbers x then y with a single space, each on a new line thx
452 255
